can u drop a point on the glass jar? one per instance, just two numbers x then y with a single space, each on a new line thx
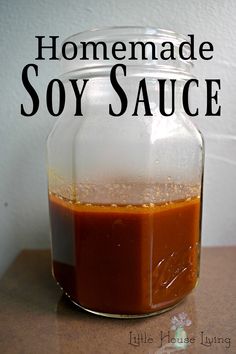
125 193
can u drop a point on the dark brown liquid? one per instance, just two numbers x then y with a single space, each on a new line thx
127 260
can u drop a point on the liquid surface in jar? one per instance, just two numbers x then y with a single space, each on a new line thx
126 259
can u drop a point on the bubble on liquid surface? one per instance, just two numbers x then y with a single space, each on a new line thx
128 194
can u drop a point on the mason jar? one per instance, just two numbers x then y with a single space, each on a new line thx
125 192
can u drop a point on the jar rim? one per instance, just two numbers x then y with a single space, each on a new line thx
129 34
127 31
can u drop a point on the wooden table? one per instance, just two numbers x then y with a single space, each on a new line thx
35 317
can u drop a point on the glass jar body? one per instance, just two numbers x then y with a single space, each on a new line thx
125 197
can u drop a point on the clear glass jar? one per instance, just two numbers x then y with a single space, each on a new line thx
125 193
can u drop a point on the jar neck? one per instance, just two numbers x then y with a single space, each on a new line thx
149 50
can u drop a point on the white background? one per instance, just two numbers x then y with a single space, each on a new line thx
24 219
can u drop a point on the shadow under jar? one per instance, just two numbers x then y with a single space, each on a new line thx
125 193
